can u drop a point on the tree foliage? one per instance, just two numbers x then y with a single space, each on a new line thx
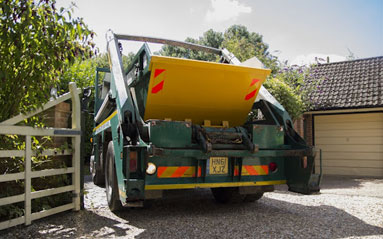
83 72
291 86
286 96
288 84
237 39
209 38
37 41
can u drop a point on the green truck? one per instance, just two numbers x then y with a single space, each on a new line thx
169 123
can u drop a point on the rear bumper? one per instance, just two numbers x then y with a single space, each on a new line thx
194 163
289 171
212 185
189 169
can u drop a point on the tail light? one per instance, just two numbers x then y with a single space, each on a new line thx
273 167
304 162
133 161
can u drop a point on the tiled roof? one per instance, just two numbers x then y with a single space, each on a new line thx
349 84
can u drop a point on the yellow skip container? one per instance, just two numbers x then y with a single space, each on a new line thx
181 89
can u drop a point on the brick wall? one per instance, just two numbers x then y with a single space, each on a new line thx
303 126
58 117
298 126
308 129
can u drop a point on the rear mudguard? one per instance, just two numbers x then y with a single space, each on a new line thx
300 176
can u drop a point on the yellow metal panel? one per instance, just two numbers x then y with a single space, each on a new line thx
187 89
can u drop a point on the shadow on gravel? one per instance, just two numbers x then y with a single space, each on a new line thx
195 214
84 224
334 182
337 182
201 217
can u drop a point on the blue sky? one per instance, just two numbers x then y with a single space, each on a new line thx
296 30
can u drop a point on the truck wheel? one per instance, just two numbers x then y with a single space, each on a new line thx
98 177
111 181
227 195
253 197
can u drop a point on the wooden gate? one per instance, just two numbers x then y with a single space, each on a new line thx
8 128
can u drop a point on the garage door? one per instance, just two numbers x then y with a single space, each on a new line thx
352 144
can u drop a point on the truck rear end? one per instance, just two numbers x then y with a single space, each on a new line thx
169 123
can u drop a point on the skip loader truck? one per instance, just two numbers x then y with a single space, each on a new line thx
168 123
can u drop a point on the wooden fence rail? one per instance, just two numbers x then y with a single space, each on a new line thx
8 128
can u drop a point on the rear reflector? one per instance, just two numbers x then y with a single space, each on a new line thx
304 162
133 161
273 166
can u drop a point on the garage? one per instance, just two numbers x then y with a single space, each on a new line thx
345 119
351 143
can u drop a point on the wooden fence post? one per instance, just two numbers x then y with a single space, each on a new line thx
28 179
76 143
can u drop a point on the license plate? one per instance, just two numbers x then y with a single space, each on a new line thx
218 165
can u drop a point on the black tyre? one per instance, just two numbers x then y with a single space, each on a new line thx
98 177
111 186
253 197
227 195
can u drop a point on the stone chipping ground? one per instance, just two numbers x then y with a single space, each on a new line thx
345 208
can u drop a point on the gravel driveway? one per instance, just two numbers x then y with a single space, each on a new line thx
345 208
